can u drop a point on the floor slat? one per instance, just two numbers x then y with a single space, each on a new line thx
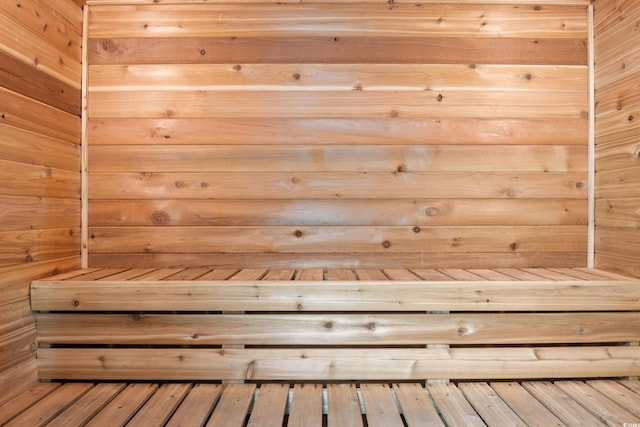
270 406
593 403
343 406
124 406
525 405
233 407
197 406
306 406
380 407
88 405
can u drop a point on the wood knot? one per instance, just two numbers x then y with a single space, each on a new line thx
416 229
513 246
237 67
462 331
581 330
440 97
371 326
296 76
108 46
579 185
76 303
297 233
328 325
386 244
432 211
160 218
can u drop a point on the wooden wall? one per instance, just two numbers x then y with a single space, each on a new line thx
617 43
40 126
338 134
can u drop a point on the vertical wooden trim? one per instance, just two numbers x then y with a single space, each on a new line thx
591 150
84 202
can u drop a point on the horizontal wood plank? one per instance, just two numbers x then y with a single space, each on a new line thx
347 49
296 186
345 158
300 296
371 212
387 131
322 77
344 19
338 364
343 239
324 104
336 329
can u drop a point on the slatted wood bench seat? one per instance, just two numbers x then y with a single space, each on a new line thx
573 403
256 325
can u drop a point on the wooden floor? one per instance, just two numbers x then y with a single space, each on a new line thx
573 403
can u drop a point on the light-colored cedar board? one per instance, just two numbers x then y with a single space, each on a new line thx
88 405
313 274
16 314
34 116
32 181
453 406
533 2
338 295
379 405
492 409
410 77
24 373
294 186
343 406
39 149
248 274
370 274
371 49
158 274
336 328
270 406
460 274
265 20
160 406
528 408
220 274
19 345
617 183
417 407
619 394
39 18
134 273
42 213
400 364
597 403
334 274
124 406
400 274
617 213
619 242
20 246
50 405
372 212
352 104
550 274
337 239
490 274
566 409
98 274
280 274
189 274
388 131
360 158
361 260
233 406
306 405
23 43
196 406
24 400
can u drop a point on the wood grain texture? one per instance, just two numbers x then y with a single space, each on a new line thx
256 120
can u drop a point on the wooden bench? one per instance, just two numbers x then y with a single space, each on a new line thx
332 326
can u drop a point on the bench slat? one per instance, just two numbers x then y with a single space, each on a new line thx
336 328
337 364
335 296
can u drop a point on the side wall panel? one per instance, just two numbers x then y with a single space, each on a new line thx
40 97
617 72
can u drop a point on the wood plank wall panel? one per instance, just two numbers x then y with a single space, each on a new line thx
40 126
617 125
337 134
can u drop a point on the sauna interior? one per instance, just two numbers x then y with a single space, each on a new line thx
371 140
